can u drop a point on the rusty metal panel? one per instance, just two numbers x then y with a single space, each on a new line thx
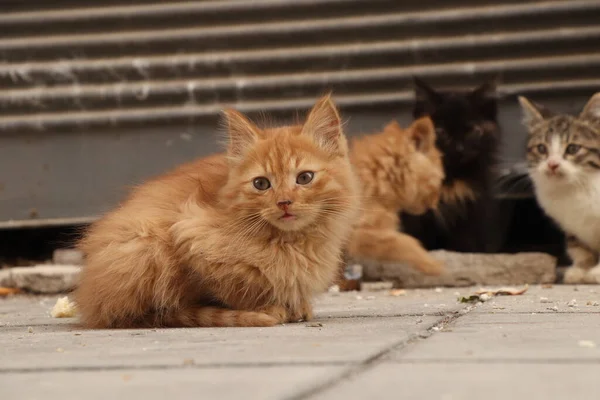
97 96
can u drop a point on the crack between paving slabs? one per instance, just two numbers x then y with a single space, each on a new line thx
380 356
520 361
172 366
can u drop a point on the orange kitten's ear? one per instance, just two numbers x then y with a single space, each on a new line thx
242 133
592 108
423 134
324 125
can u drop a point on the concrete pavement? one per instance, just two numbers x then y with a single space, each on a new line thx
421 345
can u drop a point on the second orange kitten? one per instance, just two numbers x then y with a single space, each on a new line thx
400 170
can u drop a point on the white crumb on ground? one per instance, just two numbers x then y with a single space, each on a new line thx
63 308
587 343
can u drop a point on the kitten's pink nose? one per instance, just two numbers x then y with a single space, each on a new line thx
553 165
284 204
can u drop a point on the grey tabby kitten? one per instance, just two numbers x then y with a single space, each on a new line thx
563 156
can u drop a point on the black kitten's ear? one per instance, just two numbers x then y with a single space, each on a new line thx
532 113
425 92
484 99
485 91
592 108
427 99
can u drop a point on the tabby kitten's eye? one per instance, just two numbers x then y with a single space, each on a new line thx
573 148
261 183
305 177
541 148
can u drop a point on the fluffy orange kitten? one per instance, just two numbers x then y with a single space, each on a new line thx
400 170
238 239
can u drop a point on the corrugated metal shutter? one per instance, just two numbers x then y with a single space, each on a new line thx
97 95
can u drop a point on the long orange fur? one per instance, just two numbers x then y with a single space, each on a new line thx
400 170
201 246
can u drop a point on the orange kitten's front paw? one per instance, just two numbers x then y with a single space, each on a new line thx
307 312
431 266
304 313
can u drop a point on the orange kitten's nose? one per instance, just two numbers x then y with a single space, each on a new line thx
284 204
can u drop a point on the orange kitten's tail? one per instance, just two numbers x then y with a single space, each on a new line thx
392 246
220 317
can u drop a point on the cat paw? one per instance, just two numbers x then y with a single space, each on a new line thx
431 267
307 313
592 276
574 275
304 313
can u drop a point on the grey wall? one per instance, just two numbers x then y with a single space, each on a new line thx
97 96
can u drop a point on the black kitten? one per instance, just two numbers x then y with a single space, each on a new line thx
468 136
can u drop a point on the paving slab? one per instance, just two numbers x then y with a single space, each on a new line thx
182 383
338 340
550 300
383 304
423 344
494 337
31 339
35 310
469 382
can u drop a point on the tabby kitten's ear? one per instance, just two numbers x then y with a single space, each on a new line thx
592 108
324 125
422 133
242 133
532 113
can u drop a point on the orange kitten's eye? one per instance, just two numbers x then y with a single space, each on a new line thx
261 183
541 148
572 149
305 177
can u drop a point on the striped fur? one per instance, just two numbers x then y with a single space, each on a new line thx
563 156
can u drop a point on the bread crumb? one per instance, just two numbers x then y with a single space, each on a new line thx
587 343
63 308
